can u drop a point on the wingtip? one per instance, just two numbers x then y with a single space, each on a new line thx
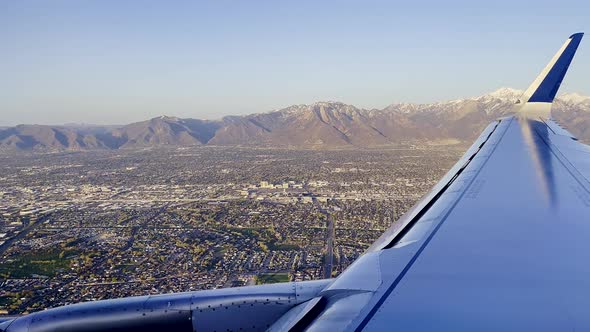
545 86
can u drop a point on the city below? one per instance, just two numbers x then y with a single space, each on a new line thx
81 226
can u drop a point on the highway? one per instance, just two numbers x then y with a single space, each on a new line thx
330 235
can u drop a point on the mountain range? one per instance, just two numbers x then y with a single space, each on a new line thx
319 125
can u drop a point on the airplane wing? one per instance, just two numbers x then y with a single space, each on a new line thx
500 243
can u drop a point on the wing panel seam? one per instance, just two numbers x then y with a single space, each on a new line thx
402 274
436 197
570 167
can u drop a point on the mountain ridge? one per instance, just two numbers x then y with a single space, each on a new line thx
319 125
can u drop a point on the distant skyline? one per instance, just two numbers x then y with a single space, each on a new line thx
115 62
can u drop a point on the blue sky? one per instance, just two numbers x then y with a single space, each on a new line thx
112 62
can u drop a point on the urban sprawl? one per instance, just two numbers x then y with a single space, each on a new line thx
82 226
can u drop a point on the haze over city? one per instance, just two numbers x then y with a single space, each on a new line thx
111 62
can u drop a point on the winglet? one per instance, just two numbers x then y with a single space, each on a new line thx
545 86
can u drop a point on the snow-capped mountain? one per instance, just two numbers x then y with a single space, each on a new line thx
319 125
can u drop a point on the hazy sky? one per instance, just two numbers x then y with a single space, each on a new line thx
112 62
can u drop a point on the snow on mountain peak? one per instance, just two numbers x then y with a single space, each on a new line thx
573 98
514 94
505 93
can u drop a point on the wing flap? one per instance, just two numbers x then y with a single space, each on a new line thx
397 229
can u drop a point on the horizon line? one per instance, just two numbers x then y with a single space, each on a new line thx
88 124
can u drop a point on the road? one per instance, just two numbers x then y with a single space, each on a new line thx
329 259
330 235
22 233
143 225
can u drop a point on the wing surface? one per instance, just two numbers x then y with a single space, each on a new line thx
501 243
